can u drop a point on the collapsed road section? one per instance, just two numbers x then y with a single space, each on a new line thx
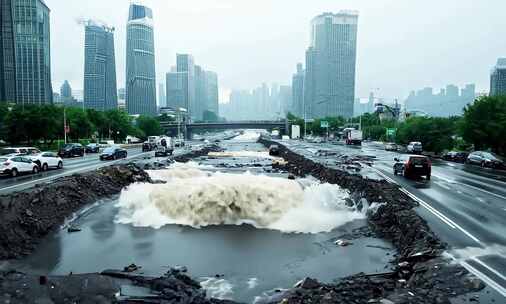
420 274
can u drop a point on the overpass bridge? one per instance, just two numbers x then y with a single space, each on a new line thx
172 128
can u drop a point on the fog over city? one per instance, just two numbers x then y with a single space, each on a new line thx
402 45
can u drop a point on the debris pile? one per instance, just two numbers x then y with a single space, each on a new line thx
198 153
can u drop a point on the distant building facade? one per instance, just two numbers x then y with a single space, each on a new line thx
176 87
298 92
140 62
100 90
449 101
162 99
330 65
25 59
66 92
498 78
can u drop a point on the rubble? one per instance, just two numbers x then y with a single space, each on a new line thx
198 153
27 216
421 275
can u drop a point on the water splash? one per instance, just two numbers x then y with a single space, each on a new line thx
198 199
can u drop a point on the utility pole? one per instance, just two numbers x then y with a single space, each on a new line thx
64 125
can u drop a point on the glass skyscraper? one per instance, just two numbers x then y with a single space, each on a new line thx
7 66
140 62
100 92
33 58
330 65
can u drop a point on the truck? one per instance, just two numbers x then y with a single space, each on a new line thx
164 146
295 132
352 136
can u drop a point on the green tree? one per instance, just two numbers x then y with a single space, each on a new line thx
79 123
119 125
484 124
149 126
436 134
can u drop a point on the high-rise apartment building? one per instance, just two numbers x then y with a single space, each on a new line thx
330 65
176 88
498 78
140 62
298 92
25 61
447 102
100 90
7 49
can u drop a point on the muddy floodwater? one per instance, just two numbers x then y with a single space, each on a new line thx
240 228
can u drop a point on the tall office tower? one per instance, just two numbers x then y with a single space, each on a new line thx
25 59
186 64
100 91
200 94
140 62
298 92
162 99
330 65
66 92
7 63
498 78
212 93
176 87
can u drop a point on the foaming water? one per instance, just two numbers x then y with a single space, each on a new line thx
195 198
249 135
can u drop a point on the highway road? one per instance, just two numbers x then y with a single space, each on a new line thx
464 205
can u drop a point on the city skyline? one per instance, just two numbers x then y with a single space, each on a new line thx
386 51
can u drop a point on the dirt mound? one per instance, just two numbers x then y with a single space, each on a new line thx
29 215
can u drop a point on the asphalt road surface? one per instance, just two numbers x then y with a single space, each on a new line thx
465 206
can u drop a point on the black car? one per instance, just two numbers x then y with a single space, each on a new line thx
413 166
456 156
92 148
486 159
113 153
274 150
71 150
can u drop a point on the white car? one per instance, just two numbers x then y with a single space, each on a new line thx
13 165
46 160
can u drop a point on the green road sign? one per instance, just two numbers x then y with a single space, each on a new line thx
324 124
391 132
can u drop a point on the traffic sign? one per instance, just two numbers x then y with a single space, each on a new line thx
391 132
324 124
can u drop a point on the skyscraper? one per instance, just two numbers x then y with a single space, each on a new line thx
330 65
100 91
185 64
176 87
298 92
212 92
140 62
200 94
162 100
32 50
7 66
498 78
66 92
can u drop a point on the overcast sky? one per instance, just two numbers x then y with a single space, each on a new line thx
402 44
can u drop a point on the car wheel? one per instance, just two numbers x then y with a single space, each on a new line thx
60 165
395 172
35 170
38 163
483 165
44 167
14 172
428 177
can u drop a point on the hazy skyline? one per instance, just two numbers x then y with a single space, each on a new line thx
402 45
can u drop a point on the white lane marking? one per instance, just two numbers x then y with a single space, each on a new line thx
71 172
481 275
470 186
497 273
431 209
443 185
